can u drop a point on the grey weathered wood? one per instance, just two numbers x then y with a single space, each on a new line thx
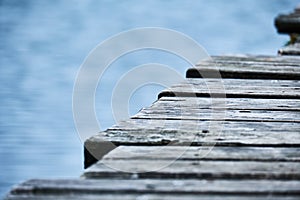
245 69
191 132
274 63
235 88
264 61
182 121
290 154
199 109
173 103
293 49
153 197
200 169
162 132
155 189
195 133
230 115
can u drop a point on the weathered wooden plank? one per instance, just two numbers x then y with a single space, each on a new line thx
190 132
205 153
154 197
230 115
232 83
162 132
258 60
293 49
276 63
235 88
184 121
173 103
200 169
254 67
193 109
153 188
244 69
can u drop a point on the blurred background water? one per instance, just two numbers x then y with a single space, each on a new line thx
43 43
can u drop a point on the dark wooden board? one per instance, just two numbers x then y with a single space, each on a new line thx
155 189
235 88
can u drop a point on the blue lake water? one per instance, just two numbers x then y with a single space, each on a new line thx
43 43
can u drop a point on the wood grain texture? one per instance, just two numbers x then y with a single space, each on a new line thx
259 59
138 196
200 169
171 103
190 121
245 69
181 132
218 153
153 188
199 109
251 152
235 88
143 132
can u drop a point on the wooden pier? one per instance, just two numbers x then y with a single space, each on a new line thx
256 155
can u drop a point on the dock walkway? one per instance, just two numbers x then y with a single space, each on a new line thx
255 156
233 138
